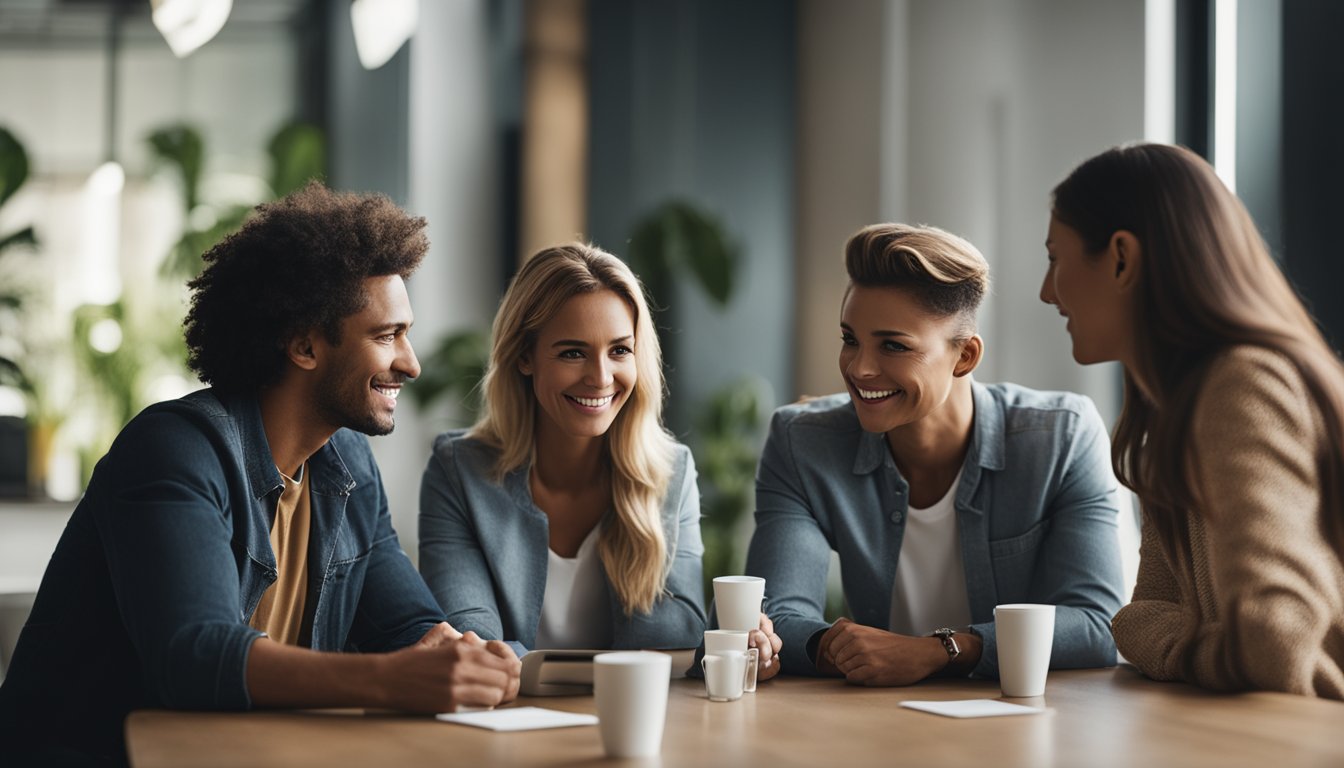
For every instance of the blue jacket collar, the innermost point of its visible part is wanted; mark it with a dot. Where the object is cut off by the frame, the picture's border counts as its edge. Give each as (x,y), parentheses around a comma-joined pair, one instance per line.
(330,475)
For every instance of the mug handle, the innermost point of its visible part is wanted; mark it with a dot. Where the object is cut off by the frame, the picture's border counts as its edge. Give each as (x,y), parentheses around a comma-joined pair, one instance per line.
(753,660)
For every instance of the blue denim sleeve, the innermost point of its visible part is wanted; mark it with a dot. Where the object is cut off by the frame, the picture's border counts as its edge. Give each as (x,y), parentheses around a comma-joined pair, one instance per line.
(1078,567)
(677,620)
(395,607)
(451,560)
(166,534)
(789,550)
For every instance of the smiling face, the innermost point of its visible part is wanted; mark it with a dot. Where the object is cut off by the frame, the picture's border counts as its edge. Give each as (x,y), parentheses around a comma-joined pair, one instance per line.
(1085,289)
(583,364)
(899,360)
(360,378)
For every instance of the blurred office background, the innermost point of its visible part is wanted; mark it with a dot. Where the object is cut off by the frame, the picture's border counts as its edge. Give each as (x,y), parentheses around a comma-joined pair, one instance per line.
(729,146)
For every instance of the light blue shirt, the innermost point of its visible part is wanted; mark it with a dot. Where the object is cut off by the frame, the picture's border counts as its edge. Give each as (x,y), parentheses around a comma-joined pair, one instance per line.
(484,545)
(1036,516)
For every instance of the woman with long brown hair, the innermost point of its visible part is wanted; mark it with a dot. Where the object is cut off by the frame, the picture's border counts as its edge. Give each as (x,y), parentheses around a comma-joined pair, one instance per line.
(1232,432)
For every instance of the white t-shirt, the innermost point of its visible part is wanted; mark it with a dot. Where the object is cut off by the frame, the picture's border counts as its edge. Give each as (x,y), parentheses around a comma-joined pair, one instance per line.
(574,612)
(930,588)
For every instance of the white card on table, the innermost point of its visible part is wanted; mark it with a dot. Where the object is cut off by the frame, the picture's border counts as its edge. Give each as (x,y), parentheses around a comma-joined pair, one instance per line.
(972,708)
(519,719)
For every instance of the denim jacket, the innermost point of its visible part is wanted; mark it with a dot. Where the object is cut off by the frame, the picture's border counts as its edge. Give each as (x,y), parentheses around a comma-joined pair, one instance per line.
(1036,515)
(483,551)
(146,601)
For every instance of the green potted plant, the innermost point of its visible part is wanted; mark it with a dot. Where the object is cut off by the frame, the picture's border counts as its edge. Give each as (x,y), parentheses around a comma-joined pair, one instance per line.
(41,420)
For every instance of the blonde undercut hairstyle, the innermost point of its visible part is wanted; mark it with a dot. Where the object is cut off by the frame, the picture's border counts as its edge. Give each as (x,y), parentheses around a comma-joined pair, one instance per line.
(944,273)
(631,544)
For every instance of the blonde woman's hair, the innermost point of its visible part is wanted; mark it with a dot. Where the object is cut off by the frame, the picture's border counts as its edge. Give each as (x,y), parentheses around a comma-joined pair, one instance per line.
(943,272)
(631,543)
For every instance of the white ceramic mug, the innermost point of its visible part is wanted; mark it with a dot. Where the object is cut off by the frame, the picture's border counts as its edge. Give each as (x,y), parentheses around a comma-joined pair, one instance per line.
(1025,635)
(631,692)
(735,641)
(725,674)
(737,601)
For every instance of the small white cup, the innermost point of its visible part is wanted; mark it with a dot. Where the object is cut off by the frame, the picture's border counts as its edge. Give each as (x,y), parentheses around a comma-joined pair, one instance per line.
(725,674)
(1025,634)
(735,641)
(737,601)
(631,691)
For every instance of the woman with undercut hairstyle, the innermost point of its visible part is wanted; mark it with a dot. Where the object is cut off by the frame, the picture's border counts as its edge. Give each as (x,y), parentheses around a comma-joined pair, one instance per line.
(942,496)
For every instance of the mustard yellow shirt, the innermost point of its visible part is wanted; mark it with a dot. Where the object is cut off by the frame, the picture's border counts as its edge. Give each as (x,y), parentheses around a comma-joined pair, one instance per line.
(280,612)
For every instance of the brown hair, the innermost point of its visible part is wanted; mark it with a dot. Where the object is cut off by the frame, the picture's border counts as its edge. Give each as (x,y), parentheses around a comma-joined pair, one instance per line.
(943,272)
(631,543)
(297,263)
(1207,284)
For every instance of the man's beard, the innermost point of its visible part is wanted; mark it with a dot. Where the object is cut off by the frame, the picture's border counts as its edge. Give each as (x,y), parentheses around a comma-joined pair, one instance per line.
(337,405)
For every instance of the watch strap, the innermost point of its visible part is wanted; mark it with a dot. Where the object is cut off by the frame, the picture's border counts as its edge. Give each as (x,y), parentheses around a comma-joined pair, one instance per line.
(949,642)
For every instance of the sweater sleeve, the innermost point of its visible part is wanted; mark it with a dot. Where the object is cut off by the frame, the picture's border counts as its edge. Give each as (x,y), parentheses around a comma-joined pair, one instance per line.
(1152,622)
(1270,569)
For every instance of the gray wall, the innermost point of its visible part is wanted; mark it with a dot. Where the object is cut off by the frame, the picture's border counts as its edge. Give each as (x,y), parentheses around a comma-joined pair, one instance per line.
(983,106)
(695,100)
(422,130)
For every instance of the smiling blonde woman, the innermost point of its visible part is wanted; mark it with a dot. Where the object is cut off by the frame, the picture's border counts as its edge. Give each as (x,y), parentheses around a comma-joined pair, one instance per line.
(568,517)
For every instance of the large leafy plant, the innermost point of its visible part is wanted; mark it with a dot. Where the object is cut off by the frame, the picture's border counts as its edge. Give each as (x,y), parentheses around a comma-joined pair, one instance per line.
(13,174)
(297,152)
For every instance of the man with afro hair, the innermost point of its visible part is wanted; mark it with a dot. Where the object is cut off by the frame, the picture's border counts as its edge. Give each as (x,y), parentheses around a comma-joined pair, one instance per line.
(234,548)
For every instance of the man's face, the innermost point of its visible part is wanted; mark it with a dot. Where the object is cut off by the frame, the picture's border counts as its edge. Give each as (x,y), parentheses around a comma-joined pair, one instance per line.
(360,378)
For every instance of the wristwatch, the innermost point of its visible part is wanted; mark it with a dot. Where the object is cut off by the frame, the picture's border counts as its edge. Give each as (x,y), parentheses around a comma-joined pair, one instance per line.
(949,642)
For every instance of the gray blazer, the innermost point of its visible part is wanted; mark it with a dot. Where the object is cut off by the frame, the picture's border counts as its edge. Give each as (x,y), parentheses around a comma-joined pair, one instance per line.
(1036,514)
(483,551)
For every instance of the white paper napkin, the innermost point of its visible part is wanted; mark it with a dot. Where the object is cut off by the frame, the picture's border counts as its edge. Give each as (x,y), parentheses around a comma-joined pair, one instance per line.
(519,719)
(971,708)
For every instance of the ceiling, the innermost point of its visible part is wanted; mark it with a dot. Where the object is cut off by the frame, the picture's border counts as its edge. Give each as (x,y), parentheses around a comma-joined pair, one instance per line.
(86,23)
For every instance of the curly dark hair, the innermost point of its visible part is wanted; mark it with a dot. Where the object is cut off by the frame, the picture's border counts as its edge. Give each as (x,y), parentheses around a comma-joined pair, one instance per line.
(297,263)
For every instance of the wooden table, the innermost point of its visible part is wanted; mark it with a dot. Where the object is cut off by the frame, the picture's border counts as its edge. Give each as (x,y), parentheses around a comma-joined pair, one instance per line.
(1098,717)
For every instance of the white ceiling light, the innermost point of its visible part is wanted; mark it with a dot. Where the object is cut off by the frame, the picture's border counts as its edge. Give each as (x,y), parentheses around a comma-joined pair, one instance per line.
(381,28)
(189,24)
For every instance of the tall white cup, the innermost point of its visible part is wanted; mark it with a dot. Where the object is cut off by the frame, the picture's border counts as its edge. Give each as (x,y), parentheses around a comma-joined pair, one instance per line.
(737,601)
(735,641)
(631,691)
(1025,634)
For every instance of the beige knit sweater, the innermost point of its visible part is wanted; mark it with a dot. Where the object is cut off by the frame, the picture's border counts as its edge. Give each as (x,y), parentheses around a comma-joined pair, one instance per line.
(1257,599)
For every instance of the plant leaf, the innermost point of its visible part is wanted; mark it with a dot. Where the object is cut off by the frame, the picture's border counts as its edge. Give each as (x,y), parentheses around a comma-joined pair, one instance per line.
(184,261)
(678,236)
(24,236)
(13,164)
(298,154)
(11,374)
(454,369)
(182,147)
(709,255)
